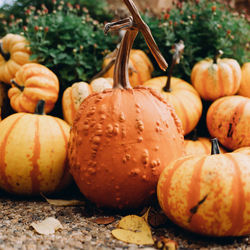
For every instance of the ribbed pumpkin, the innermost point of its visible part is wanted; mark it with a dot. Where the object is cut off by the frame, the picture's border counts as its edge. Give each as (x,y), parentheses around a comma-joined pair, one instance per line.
(215,78)
(33,82)
(14,52)
(182,95)
(244,89)
(140,67)
(33,153)
(208,194)
(244,150)
(228,120)
(74,95)
(122,138)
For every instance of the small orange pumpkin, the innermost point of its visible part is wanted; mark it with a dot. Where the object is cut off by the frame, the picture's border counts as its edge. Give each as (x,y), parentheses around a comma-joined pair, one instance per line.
(33,153)
(208,194)
(216,78)
(75,94)
(228,119)
(244,89)
(244,150)
(33,82)
(14,52)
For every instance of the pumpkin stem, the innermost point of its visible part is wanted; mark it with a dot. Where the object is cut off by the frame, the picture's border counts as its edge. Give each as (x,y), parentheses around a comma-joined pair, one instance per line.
(178,50)
(40,107)
(217,55)
(6,56)
(17,85)
(133,25)
(215,146)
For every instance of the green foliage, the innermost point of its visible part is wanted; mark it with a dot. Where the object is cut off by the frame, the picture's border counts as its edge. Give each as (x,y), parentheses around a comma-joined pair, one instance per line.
(67,40)
(205,27)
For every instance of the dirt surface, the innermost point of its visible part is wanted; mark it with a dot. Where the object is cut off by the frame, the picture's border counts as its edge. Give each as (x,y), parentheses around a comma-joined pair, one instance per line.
(82,231)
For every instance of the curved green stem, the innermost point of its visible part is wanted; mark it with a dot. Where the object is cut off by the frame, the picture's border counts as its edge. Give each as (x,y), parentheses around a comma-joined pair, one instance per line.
(6,56)
(17,85)
(40,107)
(215,146)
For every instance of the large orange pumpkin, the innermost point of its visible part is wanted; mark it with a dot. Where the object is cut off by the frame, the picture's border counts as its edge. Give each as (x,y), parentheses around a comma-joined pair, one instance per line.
(33,153)
(14,52)
(75,94)
(184,98)
(216,78)
(208,194)
(244,89)
(228,120)
(33,82)
(122,138)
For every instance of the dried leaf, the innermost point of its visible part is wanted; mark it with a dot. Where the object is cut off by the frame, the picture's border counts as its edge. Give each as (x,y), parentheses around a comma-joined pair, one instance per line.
(133,229)
(47,226)
(104,220)
(63,203)
(145,216)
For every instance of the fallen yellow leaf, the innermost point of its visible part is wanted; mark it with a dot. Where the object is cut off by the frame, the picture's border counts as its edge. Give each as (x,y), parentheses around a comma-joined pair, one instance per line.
(133,229)
(63,203)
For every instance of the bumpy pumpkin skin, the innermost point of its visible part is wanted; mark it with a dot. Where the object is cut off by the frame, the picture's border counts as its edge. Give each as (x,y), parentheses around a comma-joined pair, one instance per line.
(208,195)
(244,89)
(215,80)
(19,53)
(183,97)
(33,154)
(228,120)
(120,142)
(39,83)
(140,67)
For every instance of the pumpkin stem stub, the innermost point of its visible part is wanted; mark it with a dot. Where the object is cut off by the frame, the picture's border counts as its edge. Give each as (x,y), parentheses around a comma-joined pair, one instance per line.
(17,85)
(215,146)
(6,56)
(217,55)
(40,107)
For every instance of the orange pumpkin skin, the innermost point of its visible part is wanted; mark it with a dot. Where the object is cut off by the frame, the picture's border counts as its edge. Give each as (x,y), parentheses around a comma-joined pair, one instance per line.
(39,83)
(244,89)
(75,94)
(17,54)
(215,80)
(140,69)
(228,120)
(120,142)
(208,195)
(183,97)
(244,150)
(33,154)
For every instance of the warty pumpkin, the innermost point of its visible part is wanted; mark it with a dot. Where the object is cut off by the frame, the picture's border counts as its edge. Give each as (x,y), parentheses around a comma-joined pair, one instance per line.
(179,93)
(33,82)
(228,119)
(244,89)
(75,94)
(33,153)
(208,194)
(123,137)
(215,78)
(14,52)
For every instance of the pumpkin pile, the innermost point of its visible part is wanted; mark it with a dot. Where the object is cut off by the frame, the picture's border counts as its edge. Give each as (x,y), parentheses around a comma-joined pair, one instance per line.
(126,137)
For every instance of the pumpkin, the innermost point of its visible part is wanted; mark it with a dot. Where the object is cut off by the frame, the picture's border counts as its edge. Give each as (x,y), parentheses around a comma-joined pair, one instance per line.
(33,82)
(3,95)
(14,52)
(244,150)
(215,78)
(33,153)
(244,89)
(123,137)
(75,94)
(184,98)
(140,67)
(208,194)
(228,119)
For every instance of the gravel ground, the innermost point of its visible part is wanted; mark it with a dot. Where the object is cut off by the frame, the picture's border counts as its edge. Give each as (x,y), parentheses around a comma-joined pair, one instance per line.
(81,231)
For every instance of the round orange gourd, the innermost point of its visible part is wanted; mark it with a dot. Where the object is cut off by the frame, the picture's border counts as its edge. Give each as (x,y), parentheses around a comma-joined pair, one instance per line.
(228,120)
(216,78)
(122,138)
(75,94)
(14,52)
(208,194)
(140,67)
(244,150)
(33,82)
(184,98)
(33,153)
(244,89)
